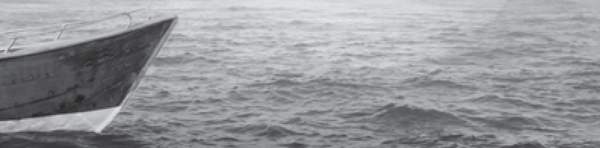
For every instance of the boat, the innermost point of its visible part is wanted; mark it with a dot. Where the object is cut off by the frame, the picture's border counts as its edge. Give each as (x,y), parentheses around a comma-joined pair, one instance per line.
(79,83)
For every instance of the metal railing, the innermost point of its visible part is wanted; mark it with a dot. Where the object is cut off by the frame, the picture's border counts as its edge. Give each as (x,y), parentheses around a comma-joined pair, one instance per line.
(62,28)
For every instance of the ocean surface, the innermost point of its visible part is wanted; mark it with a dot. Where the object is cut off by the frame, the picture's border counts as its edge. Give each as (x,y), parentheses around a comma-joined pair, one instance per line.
(349,74)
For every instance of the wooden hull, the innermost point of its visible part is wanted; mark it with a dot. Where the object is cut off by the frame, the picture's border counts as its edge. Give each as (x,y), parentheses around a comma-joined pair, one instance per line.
(81,75)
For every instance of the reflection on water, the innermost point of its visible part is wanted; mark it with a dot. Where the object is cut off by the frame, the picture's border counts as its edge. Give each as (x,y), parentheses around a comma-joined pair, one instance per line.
(402,73)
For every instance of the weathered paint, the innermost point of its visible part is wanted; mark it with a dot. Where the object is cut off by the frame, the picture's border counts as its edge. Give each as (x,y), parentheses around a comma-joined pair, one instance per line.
(78,76)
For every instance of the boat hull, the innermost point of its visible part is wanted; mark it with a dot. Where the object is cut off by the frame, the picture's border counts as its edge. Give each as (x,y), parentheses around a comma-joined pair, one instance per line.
(78,76)
(93,121)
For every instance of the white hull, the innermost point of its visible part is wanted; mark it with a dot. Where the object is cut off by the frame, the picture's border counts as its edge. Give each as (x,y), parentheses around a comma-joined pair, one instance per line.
(92,121)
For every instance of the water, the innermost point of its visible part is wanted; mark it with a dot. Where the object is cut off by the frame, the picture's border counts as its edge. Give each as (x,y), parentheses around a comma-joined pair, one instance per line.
(333,73)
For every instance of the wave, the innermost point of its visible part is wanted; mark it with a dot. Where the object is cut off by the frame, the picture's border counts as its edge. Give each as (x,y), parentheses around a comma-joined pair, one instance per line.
(242,8)
(586,73)
(508,122)
(410,116)
(315,112)
(576,61)
(65,139)
(311,44)
(495,100)
(428,81)
(264,130)
(294,145)
(181,37)
(452,61)
(494,54)
(162,108)
(592,102)
(246,8)
(277,83)
(591,87)
(180,60)
(229,27)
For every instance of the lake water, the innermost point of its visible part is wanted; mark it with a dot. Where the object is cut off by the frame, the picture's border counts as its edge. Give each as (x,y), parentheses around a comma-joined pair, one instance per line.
(350,73)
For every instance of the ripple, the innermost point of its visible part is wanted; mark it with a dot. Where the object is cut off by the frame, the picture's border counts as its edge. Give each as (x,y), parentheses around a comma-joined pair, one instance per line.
(227,139)
(590,73)
(495,100)
(276,83)
(493,54)
(314,112)
(294,145)
(229,27)
(410,116)
(518,79)
(162,109)
(68,139)
(426,82)
(595,88)
(592,102)
(179,60)
(508,122)
(264,130)
(525,145)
